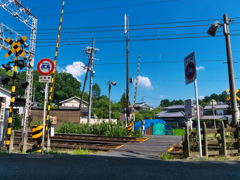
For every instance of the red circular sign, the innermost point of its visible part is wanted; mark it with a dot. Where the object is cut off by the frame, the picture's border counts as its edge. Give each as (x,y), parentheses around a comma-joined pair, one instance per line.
(190,70)
(45,66)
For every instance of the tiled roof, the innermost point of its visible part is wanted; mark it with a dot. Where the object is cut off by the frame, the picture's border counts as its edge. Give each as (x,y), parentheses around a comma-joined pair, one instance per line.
(171,114)
(74,97)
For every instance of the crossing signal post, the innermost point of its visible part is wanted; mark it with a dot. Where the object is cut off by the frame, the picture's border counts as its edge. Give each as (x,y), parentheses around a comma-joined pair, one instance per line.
(16,48)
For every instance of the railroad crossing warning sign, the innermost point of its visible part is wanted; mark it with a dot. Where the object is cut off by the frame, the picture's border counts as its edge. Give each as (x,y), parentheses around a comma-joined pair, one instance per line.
(16,46)
(190,68)
(230,95)
(45,66)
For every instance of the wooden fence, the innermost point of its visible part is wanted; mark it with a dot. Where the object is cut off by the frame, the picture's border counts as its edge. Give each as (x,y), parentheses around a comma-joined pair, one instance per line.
(214,147)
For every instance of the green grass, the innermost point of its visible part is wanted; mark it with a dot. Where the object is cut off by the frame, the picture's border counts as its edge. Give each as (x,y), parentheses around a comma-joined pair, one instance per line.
(166,156)
(222,159)
(2,153)
(81,151)
(179,132)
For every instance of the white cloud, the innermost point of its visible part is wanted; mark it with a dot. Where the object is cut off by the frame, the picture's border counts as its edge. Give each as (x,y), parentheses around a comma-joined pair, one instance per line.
(76,69)
(200,67)
(144,82)
(201,97)
(161,96)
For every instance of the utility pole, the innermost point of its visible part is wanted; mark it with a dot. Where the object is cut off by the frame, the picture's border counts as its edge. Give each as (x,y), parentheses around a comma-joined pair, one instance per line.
(226,33)
(85,81)
(127,93)
(109,83)
(91,64)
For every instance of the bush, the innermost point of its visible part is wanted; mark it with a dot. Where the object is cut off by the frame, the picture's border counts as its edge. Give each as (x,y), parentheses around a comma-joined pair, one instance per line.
(38,122)
(17,123)
(103,129)
(137,134)
(166,156)
(178,132)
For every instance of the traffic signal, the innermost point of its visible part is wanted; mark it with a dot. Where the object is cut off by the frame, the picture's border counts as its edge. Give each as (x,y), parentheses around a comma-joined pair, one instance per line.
(25,85)
(21,64)
(131,80)
(7,66)
(4,80)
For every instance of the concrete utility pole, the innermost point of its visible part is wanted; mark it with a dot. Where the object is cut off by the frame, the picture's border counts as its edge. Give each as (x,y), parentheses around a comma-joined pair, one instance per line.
(85,81)
(226,32)
(127,91)
(113,83)
(109,84)
(91,64)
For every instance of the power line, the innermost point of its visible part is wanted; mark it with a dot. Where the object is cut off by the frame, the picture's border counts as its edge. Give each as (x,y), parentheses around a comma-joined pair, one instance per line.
(105,8)
(137,40)
(69,4)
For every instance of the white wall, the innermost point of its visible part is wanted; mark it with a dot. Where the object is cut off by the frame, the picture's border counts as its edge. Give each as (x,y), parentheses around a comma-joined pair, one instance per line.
(8,97)
(96,121)
(73,103)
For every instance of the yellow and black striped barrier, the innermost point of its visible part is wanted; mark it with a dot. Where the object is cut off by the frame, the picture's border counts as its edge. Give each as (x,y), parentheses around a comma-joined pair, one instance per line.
(37,134)
(130,128)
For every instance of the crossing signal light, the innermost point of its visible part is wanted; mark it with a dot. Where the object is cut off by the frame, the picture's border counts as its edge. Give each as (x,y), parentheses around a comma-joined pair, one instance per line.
(25,85)
(21,64)
(5,80)
(7,66)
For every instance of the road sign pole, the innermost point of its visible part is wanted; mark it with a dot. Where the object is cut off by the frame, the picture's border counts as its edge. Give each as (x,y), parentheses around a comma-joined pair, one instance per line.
(214,118)
(198,119)
(44,115)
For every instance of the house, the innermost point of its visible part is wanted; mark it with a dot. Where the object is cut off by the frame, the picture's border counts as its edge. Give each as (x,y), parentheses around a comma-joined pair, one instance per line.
(221,112)
(175,115)
(7,94)
(73,102)
(141,106)
(138,107)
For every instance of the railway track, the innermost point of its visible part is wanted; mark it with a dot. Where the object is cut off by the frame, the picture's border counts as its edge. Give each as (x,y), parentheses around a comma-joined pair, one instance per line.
(74,141)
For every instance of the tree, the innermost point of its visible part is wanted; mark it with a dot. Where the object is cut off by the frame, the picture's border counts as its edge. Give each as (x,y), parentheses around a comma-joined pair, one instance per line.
(223,97)
(123,101)
(215,96)
(207,99)
(165,103)
(96,91)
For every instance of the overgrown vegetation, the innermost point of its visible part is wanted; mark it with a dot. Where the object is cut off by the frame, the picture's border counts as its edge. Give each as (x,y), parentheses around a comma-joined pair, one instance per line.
(178,132)
(81,151)
(104,129)
(38,122)
(137,134)
(166,156)
(2,153)
(17,123)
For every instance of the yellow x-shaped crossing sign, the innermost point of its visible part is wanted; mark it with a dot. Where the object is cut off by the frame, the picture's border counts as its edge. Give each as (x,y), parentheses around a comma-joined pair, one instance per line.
(16,46)
(236,95)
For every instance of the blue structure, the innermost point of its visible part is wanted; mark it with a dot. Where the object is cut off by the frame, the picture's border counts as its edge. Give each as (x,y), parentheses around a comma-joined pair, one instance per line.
(148,123)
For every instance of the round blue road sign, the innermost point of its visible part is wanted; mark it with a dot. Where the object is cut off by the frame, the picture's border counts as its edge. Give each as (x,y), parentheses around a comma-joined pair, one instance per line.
(190,70)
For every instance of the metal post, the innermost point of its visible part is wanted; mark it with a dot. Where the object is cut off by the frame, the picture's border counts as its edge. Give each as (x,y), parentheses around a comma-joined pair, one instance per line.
(109,101)
(198,119)
(214,118)
(24,125)
(90,89)
(127,105)
(226,32)
(190,123)
(44,115)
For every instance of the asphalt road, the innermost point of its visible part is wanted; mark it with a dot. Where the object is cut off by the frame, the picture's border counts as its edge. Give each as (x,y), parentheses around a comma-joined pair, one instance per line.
(13,166)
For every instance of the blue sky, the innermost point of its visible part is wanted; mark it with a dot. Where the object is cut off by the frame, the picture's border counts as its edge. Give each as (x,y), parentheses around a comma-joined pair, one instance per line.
(162,68)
